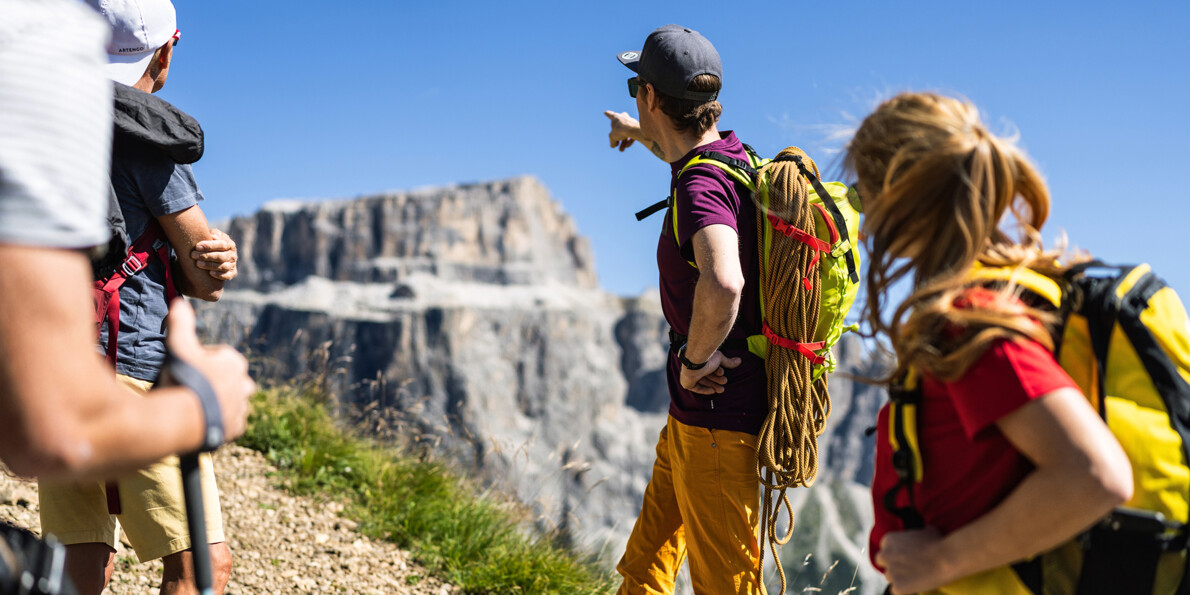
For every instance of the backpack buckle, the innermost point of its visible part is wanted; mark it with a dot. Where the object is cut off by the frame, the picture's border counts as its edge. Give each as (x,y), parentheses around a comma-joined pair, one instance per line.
(132,266)
(841,248)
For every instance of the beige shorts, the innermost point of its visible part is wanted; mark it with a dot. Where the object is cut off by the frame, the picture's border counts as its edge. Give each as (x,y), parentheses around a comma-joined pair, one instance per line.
(153,508)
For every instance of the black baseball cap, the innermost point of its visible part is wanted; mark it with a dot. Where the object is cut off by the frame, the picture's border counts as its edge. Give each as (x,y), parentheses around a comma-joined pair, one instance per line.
(673,55)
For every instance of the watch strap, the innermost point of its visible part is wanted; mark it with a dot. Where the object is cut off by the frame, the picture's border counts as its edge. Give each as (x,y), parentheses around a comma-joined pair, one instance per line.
(687,363)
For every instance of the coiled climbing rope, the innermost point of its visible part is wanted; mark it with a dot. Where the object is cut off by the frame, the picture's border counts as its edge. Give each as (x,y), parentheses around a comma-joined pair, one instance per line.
(787,449)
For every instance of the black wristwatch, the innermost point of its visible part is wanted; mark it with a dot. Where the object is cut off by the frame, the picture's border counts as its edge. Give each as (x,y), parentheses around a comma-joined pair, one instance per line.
(687,363)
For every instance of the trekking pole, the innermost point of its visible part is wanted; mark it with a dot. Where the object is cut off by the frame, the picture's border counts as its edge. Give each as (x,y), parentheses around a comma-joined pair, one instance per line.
(197,522)
(185,375)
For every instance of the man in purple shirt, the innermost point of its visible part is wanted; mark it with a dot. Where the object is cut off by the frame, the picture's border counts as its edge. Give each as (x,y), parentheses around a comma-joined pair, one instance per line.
(703,497)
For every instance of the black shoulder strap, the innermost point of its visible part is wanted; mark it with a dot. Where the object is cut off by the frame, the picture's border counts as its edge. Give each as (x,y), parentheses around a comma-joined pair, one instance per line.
(105,259)
(739,164)
(731,162)
(903,402)
(829,203)
(644,213)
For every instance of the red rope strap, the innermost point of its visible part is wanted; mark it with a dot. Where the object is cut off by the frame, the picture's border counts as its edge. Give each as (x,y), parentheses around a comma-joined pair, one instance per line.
(830,223)
(806,349)
(791,231)
(808,239)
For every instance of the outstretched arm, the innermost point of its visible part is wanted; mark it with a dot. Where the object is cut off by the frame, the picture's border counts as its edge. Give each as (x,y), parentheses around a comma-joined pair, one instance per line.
(1080,467)
(65,415)
(626,130)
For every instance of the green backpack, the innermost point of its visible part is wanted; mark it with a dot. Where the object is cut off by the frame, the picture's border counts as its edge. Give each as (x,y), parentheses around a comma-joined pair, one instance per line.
(837,227)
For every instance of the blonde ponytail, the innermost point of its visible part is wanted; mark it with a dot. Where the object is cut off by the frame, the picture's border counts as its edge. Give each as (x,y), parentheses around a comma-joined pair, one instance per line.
(936,186)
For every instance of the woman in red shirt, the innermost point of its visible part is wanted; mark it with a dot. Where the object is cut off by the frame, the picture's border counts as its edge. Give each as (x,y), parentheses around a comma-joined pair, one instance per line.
(1015,460)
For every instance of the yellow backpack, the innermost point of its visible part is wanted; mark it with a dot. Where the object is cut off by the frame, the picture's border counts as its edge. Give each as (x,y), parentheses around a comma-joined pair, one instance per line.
(1125,340)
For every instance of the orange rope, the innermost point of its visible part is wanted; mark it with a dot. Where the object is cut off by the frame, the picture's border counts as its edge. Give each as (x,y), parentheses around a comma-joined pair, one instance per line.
(787,449)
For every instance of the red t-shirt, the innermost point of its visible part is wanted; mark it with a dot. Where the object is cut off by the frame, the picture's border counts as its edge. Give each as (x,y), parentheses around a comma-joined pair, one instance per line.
(709,196)
(968,465)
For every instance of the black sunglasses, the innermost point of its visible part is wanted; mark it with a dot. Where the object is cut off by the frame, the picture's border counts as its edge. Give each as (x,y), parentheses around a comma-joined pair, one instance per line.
(634,84)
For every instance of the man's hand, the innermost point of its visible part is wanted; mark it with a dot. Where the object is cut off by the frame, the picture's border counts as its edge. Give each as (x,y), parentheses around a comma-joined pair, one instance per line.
(912,561)
(224,368)
(217,256)
(625,129)
(709,379)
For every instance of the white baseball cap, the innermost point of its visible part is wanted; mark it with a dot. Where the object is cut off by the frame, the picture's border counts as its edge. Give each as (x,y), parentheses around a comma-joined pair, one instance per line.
(139,28)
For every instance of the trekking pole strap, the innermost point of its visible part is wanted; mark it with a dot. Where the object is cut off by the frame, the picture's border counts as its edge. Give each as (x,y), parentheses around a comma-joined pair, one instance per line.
(187,376)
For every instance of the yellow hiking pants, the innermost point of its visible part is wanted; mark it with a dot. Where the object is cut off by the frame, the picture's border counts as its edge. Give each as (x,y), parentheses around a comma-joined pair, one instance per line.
(154,507)
(703,501)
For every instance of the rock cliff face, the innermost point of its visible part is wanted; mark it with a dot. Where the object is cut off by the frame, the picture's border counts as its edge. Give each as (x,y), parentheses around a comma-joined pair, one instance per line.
(473,313)
(500,233)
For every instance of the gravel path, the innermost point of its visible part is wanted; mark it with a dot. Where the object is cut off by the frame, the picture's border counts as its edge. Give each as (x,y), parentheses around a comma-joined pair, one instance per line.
(280,543)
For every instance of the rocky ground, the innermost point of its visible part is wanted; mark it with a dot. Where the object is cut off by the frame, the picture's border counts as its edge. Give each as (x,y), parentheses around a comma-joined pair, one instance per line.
(281,543)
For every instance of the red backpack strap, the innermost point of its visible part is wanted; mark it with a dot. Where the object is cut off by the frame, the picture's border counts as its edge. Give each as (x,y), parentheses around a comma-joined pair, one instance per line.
(107,291)
(107,306)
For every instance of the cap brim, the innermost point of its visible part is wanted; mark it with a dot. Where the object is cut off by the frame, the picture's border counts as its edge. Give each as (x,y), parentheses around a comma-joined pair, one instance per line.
(127,69)
(630,59)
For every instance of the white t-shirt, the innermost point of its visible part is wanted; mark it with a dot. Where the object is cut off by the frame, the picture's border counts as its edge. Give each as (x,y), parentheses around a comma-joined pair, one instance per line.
(55,124)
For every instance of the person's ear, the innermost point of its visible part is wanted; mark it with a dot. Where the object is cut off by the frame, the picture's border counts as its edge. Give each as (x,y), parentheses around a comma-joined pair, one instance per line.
(165,55)
(651,101)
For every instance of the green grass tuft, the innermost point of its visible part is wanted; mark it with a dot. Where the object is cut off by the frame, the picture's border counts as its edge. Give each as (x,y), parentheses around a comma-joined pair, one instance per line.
(474,540)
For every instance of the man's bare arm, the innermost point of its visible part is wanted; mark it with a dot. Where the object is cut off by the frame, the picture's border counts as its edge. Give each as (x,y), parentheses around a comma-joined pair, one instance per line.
(716,304)
(65,414)
(1079,468)
(185,230)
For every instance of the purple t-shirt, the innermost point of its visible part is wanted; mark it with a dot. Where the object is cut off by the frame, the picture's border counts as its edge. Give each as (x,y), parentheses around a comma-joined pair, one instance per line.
(706,195)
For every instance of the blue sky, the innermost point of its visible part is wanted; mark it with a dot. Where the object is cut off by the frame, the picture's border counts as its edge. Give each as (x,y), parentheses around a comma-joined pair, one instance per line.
(335,100)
